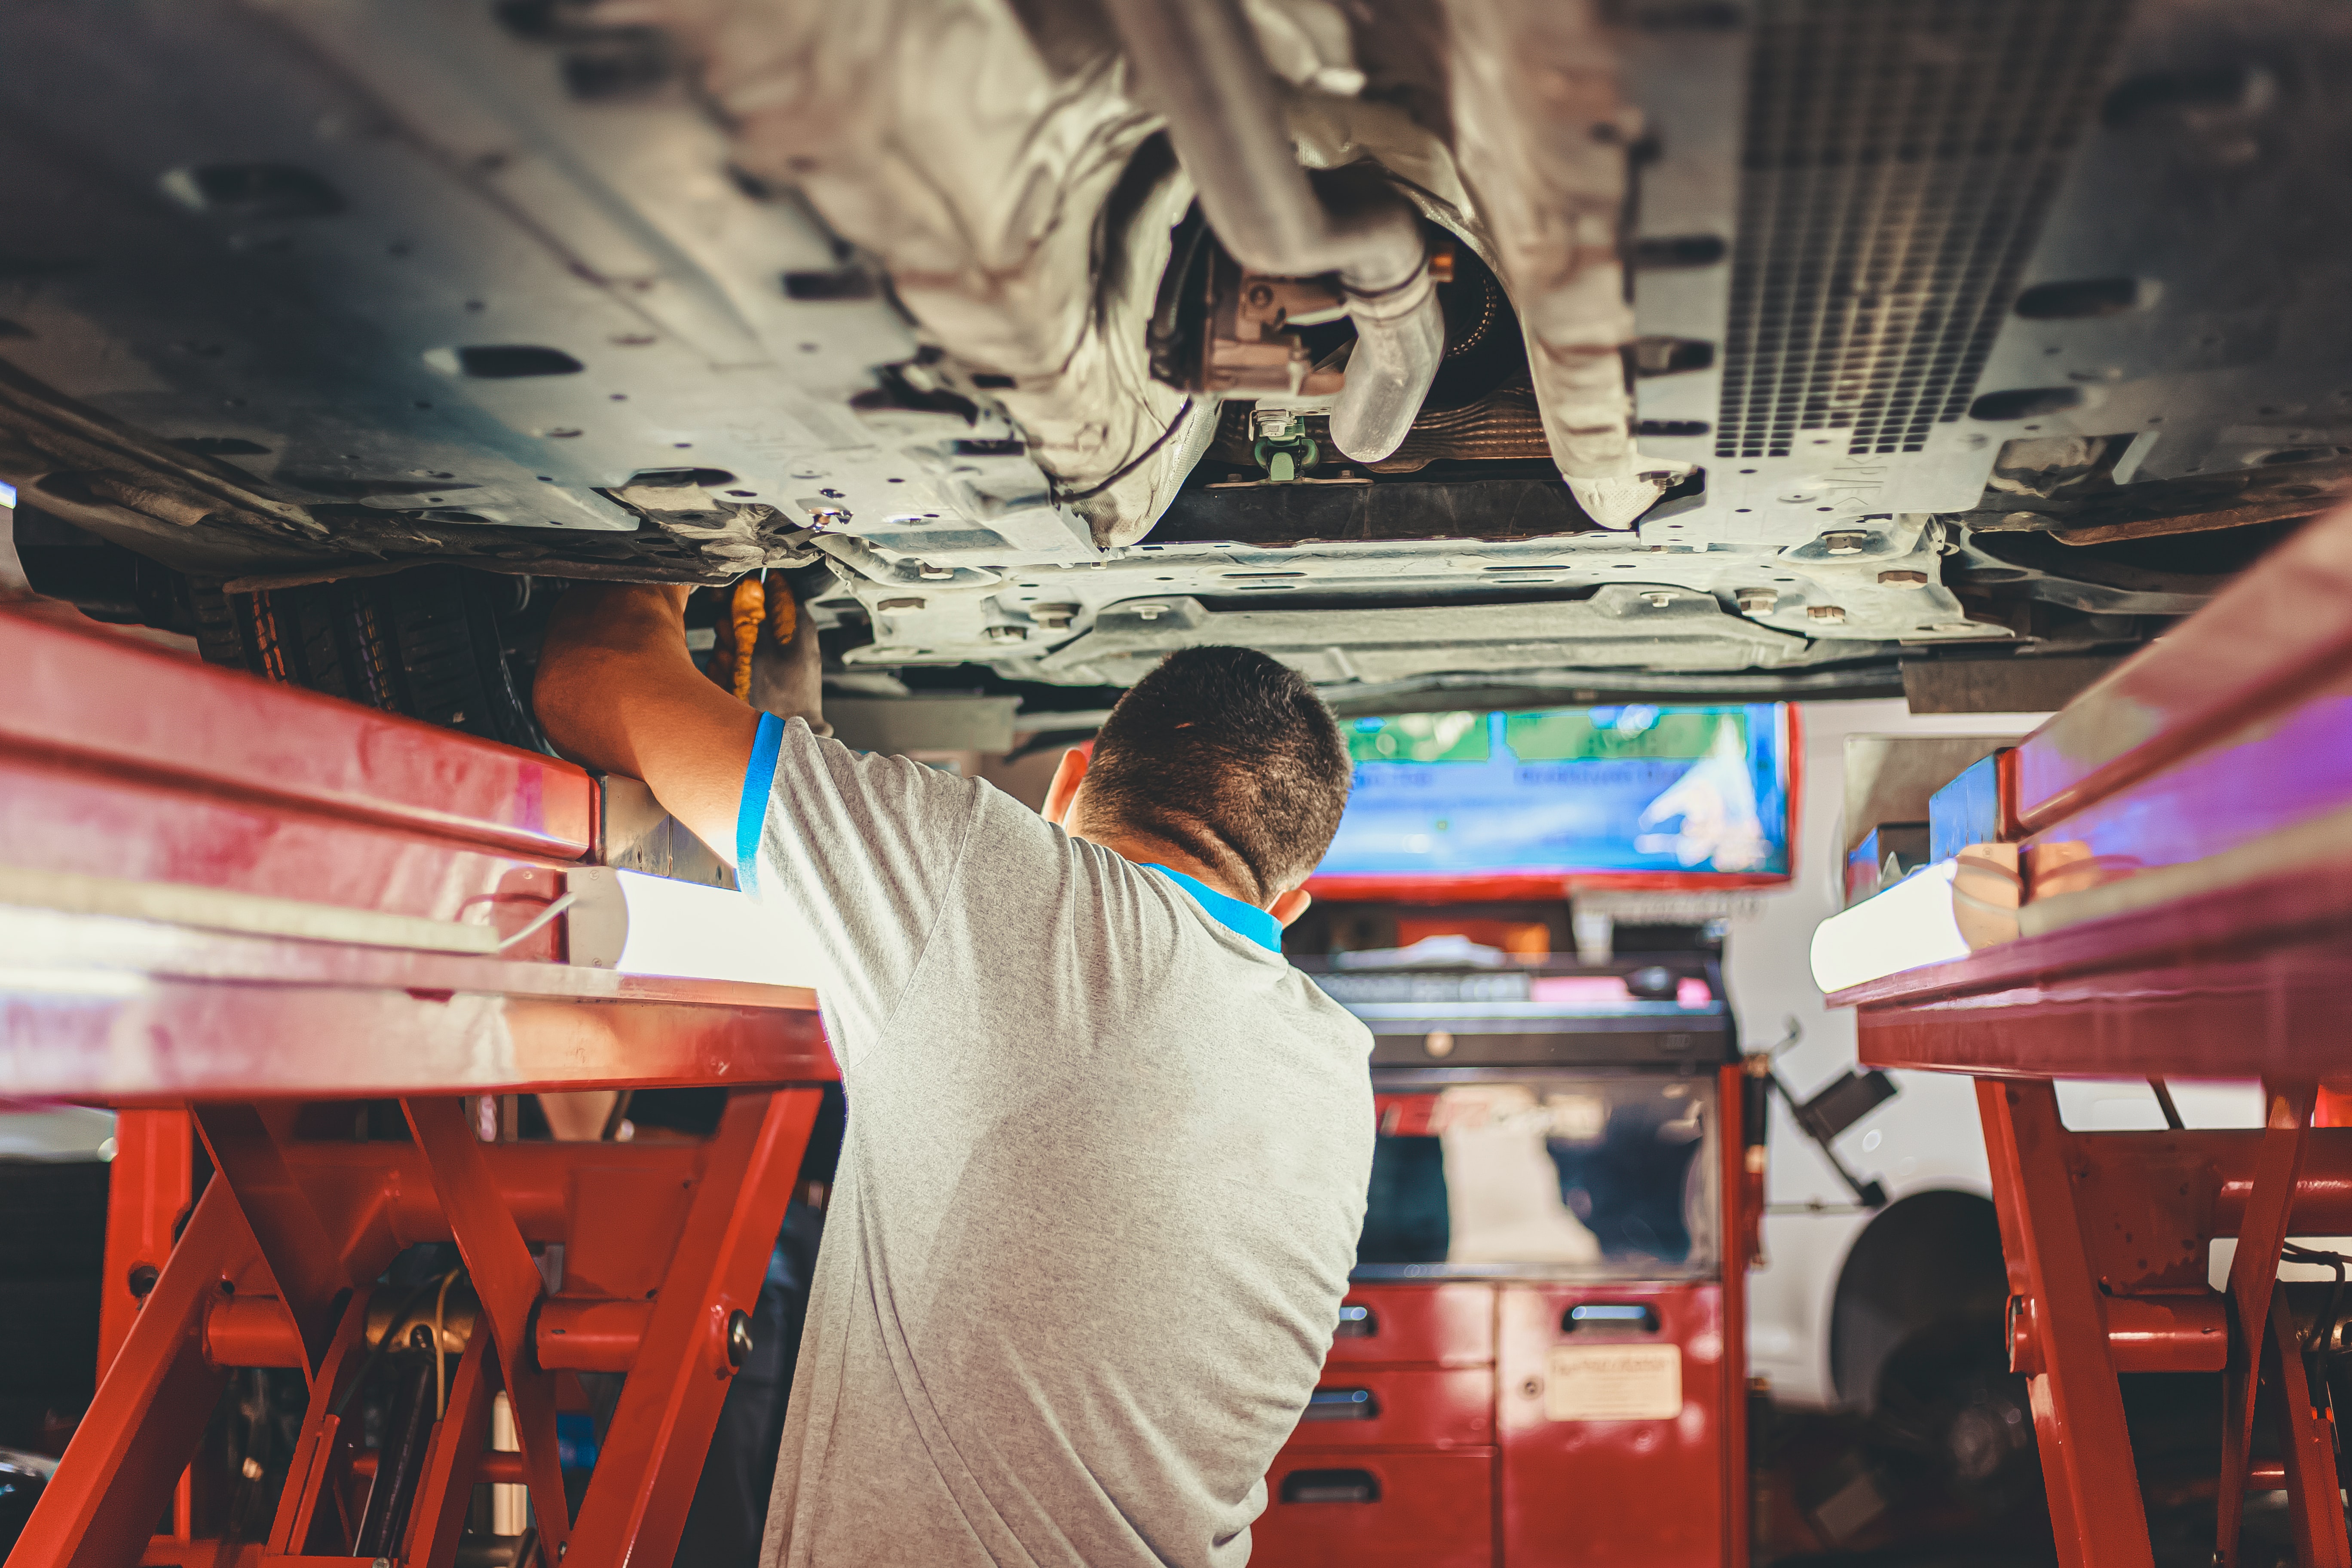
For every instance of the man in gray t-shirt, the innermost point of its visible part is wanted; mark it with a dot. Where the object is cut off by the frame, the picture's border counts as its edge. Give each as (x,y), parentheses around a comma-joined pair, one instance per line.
(1108,1151)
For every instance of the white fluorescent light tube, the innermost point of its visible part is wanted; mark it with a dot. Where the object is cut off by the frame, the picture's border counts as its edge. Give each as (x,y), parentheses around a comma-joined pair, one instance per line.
(636,924)
(1909,925)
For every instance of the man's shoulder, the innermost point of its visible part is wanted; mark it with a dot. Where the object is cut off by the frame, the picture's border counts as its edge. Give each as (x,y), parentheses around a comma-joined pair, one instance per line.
(1330,1015)
(898,792)
(1319,1037)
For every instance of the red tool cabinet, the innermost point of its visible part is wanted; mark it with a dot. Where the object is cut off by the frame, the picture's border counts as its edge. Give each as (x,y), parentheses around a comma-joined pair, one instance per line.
(1406,1476)
(1498,1400)
(1605,1493)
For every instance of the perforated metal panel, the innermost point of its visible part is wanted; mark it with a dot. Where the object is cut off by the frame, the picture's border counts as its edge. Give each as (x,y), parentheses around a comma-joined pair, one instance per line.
(1899,156)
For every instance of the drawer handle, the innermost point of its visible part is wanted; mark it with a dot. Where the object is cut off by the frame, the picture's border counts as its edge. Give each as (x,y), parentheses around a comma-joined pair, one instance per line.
(1341,1405)
(1330,1486)
(1638,1315)
(1356,1322)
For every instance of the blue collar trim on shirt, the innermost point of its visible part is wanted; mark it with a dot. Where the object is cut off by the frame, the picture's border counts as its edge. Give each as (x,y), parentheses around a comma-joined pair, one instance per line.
(751,812)
(1243,920)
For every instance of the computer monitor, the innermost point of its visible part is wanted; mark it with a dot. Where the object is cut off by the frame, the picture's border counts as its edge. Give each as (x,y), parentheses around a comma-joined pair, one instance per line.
(1470,805)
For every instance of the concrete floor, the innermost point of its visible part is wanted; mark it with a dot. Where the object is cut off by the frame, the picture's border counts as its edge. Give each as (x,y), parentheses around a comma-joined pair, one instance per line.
(1838,1490)
(1833,1491)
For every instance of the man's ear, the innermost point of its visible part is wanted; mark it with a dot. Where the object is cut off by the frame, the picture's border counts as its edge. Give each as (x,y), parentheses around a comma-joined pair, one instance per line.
(1064,787)
(1287,907)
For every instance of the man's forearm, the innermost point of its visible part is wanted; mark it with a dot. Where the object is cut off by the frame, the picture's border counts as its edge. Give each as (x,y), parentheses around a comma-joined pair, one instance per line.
(605,642)
(617,691)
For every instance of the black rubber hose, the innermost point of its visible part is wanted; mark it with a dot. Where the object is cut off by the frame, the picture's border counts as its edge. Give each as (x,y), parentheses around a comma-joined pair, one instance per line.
(408,1426)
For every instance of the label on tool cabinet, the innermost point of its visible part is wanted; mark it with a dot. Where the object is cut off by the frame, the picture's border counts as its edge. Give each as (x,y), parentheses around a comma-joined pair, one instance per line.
(1613,1382)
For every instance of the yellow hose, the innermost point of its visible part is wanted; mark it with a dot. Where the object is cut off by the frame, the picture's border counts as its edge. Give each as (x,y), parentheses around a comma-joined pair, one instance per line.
(749,609)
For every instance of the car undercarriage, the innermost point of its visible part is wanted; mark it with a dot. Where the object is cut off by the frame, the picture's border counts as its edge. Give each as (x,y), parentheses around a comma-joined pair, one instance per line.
(1456,352)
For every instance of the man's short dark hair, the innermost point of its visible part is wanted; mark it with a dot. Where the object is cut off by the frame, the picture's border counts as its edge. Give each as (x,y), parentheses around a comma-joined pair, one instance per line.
(1229,756)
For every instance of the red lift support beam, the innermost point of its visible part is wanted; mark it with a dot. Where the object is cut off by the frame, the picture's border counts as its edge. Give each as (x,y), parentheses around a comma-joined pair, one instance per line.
(2185,843)
(237,912)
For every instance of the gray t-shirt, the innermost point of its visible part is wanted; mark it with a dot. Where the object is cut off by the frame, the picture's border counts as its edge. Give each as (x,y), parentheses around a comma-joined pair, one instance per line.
(1104,1175)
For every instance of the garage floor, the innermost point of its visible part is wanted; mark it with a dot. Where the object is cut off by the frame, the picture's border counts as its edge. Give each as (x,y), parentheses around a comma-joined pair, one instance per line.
(1831,1491)
(1832,1488)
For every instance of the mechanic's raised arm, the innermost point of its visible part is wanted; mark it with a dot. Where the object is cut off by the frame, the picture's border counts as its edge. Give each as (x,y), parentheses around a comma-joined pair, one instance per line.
(617,691)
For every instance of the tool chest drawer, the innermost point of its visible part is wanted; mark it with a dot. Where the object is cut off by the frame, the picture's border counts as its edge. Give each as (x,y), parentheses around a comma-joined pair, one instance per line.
(1610,1397)
(1438,1325)
(1379,1407)
(1353,1508)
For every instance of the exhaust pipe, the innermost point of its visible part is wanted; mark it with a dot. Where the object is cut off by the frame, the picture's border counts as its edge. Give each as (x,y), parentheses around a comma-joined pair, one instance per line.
(1198,63)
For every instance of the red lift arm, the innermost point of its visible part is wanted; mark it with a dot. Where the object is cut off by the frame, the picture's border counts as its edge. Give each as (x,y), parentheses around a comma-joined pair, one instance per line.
(238,912)
(2185,834)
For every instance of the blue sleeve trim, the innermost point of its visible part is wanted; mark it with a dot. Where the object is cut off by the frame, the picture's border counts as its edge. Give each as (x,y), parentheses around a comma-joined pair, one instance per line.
(751,816)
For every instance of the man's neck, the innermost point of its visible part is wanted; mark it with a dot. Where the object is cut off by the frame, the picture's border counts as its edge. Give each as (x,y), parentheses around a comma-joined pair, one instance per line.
(1146,850)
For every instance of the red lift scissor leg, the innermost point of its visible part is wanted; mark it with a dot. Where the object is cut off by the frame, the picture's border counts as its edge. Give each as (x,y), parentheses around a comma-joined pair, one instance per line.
(149,1188)
(438,1518)
(651,1480)
(309,1269)
(2075,1331)
(2253,1274)
(2307,1445)
(508,1284)
(705,1218)
(2184,836)
(312,1512)
(100,1508)
(2078,1408)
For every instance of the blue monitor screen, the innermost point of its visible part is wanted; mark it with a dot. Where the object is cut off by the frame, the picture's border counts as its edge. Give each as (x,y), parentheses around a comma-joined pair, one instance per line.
(1690,791)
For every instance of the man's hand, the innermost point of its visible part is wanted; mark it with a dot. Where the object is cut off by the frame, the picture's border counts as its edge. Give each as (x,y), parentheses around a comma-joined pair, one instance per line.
(617,691)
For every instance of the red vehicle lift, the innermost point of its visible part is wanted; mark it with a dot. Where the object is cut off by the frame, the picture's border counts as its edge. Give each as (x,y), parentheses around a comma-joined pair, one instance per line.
(2181,841)
(238,913)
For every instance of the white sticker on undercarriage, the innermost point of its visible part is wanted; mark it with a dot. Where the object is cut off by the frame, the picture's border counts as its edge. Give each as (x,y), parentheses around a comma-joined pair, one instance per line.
(1614,1383)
